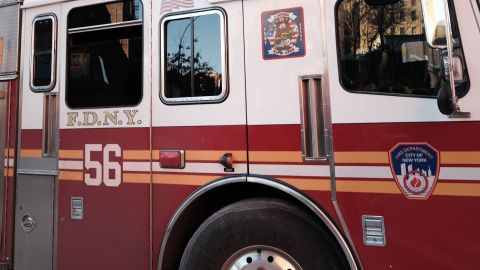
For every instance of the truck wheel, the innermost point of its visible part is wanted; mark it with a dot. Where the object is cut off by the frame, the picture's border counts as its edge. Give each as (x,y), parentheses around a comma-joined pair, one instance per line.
(262,234)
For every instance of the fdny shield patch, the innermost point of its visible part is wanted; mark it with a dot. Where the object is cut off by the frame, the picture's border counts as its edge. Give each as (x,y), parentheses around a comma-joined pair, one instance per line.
(415,167)
(283,33)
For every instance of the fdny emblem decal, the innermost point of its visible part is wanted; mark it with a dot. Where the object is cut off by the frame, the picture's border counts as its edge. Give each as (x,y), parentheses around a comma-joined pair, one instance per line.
(415,167)
(283,33)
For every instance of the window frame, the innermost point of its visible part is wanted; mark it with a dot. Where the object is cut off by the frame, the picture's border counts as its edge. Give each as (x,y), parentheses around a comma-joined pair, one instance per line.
(100,27)
(223,51)
(476,12)
(53,74)
(454,23)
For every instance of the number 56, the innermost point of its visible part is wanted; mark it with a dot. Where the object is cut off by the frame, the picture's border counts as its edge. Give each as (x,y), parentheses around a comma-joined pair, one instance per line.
(102,172)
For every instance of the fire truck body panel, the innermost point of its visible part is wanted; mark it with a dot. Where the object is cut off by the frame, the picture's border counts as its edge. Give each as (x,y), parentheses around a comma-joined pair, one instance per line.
(125,139)
(125,182)
(363,173)
(431,223)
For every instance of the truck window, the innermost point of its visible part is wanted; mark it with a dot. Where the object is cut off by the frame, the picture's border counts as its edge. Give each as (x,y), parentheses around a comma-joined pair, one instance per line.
(42,77)
(105,55)
(193,57)
(382,50)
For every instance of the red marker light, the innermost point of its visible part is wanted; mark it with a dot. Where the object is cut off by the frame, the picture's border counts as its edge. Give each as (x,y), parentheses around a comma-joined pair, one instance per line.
(172,159)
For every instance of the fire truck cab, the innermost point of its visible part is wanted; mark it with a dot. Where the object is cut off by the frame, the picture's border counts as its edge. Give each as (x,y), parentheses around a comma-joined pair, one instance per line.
(239,134)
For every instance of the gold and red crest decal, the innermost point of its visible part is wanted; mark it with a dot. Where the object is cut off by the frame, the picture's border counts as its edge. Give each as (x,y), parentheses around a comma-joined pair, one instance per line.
(415,168)
(283,33)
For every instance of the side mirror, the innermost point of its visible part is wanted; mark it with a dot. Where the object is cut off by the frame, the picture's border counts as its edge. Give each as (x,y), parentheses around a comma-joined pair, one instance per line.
(444,98)
(438,32)
(435,19)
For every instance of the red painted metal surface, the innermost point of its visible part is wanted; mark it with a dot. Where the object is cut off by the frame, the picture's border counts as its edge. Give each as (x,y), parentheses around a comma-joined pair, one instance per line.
(200,138)
(31,139)
(444,136)
(274,138)
(166,199)
(127,138)
(116,230)
(438,233)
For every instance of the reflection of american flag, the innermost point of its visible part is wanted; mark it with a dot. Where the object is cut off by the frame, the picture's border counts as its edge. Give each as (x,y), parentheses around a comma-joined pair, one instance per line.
(169,5)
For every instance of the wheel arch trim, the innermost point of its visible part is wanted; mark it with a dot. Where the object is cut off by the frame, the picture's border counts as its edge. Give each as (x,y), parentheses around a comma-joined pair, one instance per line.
(272,183)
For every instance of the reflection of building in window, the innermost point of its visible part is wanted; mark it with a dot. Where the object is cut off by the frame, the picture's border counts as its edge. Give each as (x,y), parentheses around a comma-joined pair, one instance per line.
(381,51)
(366,26)
(413,15)
(117,12)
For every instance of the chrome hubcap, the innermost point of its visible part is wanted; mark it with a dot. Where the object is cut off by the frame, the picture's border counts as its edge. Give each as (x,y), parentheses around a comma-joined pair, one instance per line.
(261,258)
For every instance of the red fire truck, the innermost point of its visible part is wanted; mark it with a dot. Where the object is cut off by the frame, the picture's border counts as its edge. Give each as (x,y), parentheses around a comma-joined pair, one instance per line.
(239,134)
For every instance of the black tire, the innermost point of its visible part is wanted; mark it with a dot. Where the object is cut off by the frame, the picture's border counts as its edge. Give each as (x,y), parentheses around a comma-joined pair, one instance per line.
(262,222)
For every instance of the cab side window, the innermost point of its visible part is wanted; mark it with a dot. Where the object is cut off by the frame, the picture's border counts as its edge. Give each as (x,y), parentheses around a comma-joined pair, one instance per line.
(382,50)
(193,57)
(43,65)
(105,55)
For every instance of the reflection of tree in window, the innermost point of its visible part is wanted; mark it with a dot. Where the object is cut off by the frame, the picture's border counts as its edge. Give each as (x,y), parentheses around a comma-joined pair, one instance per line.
(380,58)
(389,55)
(193,65)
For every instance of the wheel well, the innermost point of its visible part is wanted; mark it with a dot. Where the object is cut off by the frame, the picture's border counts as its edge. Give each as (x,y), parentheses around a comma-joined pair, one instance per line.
(198,210)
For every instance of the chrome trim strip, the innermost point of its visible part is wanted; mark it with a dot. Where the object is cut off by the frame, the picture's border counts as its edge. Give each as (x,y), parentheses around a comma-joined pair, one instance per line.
(330,225)
(37,172)
(378,237)
(53,74)
(304,123)
(312,107)
(8,77)
(50,125)
(328,130)
(224,53)
(186,203)
(104,26)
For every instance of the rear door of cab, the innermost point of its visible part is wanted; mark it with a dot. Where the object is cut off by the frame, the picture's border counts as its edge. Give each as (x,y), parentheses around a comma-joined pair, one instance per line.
(201,127)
